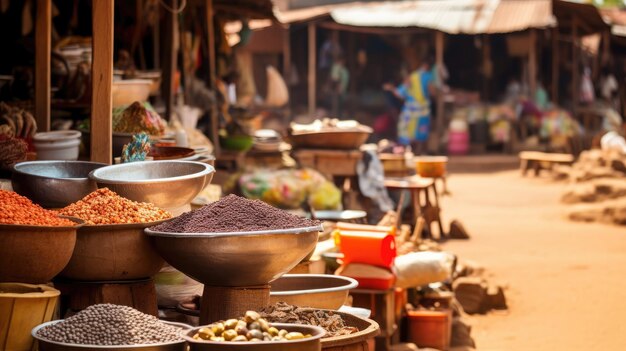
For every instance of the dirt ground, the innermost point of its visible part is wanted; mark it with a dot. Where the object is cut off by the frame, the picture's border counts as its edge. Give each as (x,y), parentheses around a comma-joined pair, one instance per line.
(565,281)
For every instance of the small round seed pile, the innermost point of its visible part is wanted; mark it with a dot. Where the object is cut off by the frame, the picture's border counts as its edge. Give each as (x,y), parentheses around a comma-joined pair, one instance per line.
(108,324)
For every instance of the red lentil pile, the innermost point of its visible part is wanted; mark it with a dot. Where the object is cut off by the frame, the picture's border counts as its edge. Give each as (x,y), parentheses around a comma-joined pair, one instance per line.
(16,209)
(104,206)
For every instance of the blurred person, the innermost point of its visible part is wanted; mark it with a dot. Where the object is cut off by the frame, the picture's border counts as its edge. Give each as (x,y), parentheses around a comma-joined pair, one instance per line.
(340,78)
(414,122)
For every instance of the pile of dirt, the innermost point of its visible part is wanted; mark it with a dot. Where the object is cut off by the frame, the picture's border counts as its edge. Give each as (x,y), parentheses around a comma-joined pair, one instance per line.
(598,187)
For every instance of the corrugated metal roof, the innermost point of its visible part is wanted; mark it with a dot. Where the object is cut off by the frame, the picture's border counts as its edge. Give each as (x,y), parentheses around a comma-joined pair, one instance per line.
(451,16)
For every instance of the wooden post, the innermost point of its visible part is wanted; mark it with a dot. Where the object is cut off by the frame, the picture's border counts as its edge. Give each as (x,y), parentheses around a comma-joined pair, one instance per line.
(287,53)
(102,77)
(575,70)
(312,68)
(43,42)
(606,47)
(532,64)
(555,65)
(213,74)
(439,49)
(170,58)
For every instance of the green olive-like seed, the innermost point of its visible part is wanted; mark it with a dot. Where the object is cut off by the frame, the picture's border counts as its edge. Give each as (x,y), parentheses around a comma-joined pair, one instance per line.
(273,331)
(231,323)
(282,333)
(254,334)
(218,329)
(251,316)
(239,338)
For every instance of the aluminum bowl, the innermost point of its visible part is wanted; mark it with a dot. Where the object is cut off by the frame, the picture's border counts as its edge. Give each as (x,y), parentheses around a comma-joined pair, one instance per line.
(48,345)
(236,259)
(54,184)
(308,344)
(166,184)
(323,291)
(35,254)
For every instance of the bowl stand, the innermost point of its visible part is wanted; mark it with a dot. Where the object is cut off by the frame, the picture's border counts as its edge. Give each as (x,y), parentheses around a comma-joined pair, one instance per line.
(221,303)
(78,295)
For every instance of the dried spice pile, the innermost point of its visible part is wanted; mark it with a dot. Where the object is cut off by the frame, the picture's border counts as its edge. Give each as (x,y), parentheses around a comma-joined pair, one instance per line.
(108,324)
(16,209)
(234,214)
(104,206)
(282,312)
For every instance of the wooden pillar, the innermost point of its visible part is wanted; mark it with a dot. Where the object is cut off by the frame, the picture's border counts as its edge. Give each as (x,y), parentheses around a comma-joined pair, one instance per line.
(439,50)
(102,77)
(287,52)
(312,68)
(575,70)
(555,65)
(487,68)
(213,74)
(43,47)
(170,57)
(532,64)
(606,46)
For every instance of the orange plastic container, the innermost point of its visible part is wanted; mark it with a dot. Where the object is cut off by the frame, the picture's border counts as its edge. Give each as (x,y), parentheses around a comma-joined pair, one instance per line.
(391,230)
(431,166)
(430,328)
(374,248)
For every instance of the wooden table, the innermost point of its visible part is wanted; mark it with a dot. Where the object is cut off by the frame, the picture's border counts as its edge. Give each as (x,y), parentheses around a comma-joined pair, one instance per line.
(426,209)
(537,161)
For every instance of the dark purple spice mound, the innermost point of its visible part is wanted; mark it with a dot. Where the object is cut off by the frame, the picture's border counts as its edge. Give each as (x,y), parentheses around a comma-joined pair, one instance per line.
(234,214)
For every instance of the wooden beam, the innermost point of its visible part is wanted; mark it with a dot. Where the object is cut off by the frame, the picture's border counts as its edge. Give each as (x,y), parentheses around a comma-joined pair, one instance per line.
(575,70)
(555,65)
(102,77)
(532,64)
(210,20)
(287,57)
(312,31)
(43,48)
(439,52)
(170,57)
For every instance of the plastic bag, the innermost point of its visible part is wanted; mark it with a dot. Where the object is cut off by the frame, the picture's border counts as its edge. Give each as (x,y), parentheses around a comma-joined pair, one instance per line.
(421,268)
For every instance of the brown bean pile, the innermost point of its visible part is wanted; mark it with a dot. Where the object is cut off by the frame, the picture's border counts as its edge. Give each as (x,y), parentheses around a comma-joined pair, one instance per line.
(249,328)
(283,312)
(17,209)
(107,324)
(104,206)
(234,214)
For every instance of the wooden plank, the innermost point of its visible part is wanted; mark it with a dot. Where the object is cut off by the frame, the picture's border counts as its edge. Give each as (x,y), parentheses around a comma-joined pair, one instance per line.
(532,64)
(43,47)
(555,65)
(102,77)
(210,16)
(169,57)
(575,68)
(312,31)
(439,51)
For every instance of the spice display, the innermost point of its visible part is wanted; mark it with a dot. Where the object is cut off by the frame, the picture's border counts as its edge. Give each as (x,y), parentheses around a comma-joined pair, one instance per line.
(282,312)
(137,118)
(234,214)
(249,328)
(108,324)
(17,209)
(104,206)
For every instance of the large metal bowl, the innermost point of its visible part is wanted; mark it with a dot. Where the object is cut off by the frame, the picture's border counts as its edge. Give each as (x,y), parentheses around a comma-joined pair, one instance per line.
(236,259)
(113,252)
(54,184)
(167,184)
(336,140)
(35,254)
(307,344)
(323,291)
(48,345)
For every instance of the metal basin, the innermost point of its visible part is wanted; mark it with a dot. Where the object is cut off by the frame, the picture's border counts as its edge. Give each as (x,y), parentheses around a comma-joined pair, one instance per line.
(308,344)
(368,329)
(236,259)
(48,345)
(113,252)
(167,184)
(322,291)
(35,254)
(54,184)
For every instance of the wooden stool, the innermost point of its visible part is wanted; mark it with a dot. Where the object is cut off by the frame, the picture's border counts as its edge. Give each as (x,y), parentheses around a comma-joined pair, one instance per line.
(541,160)
(382,305)
(78,295)
(430,211)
